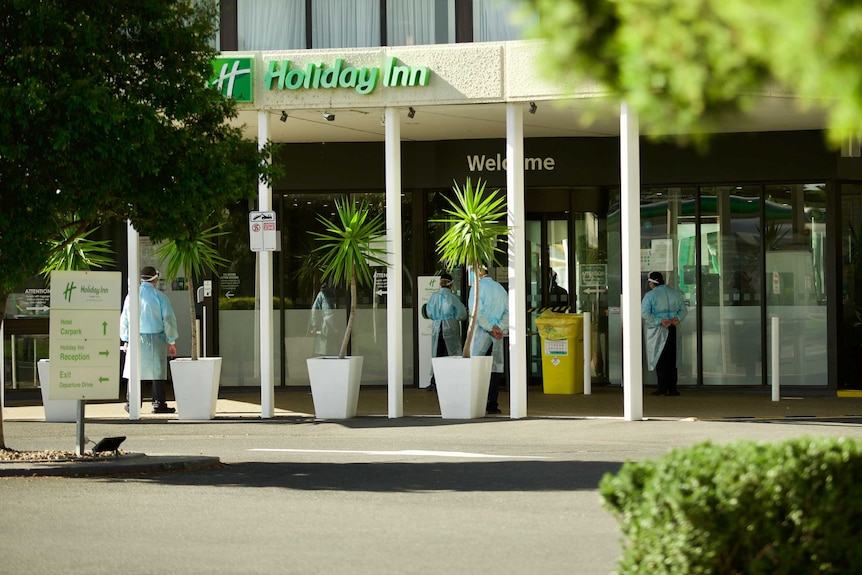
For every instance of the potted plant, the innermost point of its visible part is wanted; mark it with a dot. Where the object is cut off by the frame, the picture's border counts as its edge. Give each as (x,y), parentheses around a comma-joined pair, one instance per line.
(347,253)
(196,379)
(470,240)
(71,249)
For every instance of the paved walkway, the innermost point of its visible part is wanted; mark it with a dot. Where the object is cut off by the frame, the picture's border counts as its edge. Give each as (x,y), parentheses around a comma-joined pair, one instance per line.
(603,402)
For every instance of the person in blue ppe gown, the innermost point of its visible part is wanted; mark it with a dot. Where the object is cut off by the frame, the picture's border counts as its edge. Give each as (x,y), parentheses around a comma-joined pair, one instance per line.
(324,322)
(663,308)
(492,325)
(447,312)
(158,336)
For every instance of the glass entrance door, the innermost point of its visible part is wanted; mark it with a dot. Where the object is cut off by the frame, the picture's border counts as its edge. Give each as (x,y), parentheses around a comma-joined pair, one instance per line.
(548,278)
(567,272)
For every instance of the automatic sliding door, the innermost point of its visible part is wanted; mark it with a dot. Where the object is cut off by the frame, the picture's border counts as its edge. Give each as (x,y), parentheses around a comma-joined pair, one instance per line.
(731,272)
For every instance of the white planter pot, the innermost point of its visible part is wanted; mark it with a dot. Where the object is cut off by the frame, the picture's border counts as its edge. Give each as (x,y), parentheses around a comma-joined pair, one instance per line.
(196,386)
(462,385)
(335,385)
(61,410)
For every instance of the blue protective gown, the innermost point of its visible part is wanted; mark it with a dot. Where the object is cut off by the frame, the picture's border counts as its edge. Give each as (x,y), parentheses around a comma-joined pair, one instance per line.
(447,312)
(158,329)
(493,310)
(661,302)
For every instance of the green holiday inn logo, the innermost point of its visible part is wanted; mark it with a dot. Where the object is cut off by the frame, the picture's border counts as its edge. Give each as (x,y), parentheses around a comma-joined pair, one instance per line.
(314,76)
(70,289)
(233,78)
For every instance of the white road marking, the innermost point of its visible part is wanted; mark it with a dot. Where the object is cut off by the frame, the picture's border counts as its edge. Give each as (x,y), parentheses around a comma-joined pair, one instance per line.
(419,452)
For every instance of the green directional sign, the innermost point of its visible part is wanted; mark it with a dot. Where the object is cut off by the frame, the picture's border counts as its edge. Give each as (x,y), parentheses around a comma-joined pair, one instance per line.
(85,334)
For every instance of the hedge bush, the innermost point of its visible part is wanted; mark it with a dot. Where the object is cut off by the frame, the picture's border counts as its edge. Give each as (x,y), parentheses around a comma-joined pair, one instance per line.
(751,508)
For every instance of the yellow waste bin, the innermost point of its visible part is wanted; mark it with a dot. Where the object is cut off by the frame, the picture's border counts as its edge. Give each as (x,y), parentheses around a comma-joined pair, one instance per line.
(562,337)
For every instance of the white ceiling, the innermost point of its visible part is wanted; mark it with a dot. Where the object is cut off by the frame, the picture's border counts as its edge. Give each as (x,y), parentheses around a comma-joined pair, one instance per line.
(553,119)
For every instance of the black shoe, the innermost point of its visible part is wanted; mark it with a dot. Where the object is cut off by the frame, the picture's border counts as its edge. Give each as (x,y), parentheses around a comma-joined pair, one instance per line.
(163,409)
(126,407)
(657,392)
(492,411)
(674,392)
(432,387)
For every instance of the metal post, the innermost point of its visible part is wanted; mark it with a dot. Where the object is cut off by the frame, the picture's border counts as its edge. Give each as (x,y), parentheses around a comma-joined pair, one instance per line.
(588,353)
(80,438)
(264,280)
(776,395)
(14,364)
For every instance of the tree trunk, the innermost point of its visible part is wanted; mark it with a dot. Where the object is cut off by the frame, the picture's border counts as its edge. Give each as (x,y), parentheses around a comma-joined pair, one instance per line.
(190,284)
(349,329)
(474,313)
(2,342)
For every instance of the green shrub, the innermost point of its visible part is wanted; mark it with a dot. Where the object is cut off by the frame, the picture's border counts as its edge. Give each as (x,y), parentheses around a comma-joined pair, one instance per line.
(792,507)
(247,303)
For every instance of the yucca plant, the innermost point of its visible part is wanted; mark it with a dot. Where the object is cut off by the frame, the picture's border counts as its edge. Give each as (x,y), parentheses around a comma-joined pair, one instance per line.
(473,230)
(73,249)
(193,255)
(348,252)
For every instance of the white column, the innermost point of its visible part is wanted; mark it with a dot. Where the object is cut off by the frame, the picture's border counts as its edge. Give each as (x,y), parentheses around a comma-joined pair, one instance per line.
(264,258)
(517,261)
(394,312)
(133,354)
(633,408)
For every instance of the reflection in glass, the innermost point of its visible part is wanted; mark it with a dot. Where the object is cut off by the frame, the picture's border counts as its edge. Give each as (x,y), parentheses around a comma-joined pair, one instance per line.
(794,235)
(668,245)
(731,268)
(851,287)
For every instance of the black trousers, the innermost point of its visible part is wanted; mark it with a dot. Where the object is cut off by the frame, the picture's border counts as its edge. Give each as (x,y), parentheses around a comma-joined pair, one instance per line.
(494,387)
(442,351)
(665,369)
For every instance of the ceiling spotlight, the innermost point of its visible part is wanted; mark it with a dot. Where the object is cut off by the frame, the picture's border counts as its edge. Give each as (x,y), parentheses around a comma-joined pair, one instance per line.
(411,112)
(533,107)
(328,117)
(283,116)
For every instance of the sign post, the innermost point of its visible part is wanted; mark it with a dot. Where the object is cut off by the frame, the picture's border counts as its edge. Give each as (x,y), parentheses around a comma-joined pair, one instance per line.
(84,338)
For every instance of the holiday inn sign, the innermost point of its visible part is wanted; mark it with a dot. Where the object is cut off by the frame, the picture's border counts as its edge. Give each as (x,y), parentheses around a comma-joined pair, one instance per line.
(234,76)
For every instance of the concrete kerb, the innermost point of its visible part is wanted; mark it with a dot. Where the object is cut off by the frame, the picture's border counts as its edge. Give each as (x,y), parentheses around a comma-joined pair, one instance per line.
(128,463)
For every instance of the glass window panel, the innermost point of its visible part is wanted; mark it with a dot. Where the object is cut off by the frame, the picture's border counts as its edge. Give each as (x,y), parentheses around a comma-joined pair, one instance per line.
(851,287)
(417,22)
(731,273)
(668,240)
(340,24)
(500,20)
(215,41)
(794,234)
(270,24)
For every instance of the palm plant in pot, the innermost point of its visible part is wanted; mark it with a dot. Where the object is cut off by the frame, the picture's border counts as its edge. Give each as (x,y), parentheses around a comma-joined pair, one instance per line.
(196,379)
(348,251)
(470,240)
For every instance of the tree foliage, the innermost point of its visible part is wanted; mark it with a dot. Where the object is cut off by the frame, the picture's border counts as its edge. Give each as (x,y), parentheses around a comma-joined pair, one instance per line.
(682,63)
(473,230)
(107,115)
